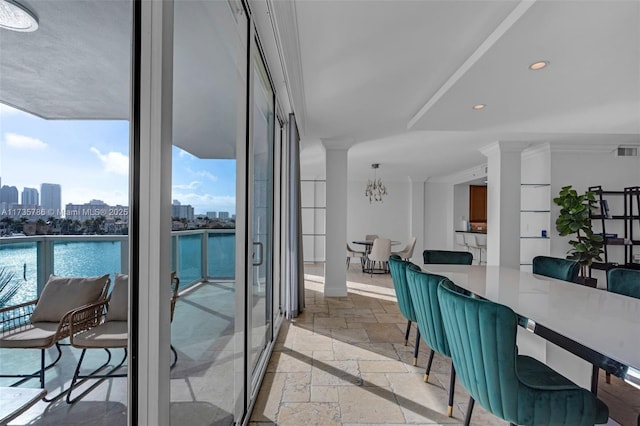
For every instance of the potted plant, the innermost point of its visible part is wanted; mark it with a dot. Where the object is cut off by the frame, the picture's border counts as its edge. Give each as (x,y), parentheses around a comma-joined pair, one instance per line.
(575,211)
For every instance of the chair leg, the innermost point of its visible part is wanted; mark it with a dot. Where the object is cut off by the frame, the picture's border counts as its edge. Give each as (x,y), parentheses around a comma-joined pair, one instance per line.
(595,372)
(175,357)
(406,334)
(426,373)
(452,388)
(416,347)
(93,375)
(467,418)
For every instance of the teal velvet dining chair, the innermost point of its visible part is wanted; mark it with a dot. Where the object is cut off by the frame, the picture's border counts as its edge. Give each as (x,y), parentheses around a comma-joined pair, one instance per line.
(398,269)
(447,257)
(626,282)
(424,295)
(555,267)
(516,388)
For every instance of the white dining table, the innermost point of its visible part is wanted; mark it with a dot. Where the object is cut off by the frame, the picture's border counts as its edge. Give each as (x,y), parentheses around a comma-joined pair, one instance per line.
(601,327)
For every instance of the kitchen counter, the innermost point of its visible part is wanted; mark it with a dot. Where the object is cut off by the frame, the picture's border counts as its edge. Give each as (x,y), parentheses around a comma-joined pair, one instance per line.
(473,232)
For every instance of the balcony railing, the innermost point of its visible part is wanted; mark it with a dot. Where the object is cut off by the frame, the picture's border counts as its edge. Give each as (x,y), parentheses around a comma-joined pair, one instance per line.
(198,255)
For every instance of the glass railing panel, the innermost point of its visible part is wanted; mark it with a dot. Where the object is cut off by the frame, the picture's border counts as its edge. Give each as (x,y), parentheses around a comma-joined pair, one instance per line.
(20,261)
(189,259)
(221,259)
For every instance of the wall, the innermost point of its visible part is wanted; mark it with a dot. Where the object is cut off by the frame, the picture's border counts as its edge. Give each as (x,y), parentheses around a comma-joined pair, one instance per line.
(460,205)
(439,216)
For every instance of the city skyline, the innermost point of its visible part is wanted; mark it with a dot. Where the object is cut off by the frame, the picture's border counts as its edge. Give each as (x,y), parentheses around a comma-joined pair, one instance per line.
(89,159)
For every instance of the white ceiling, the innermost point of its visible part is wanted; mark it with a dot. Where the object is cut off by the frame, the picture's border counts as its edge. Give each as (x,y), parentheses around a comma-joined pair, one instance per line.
(395,80)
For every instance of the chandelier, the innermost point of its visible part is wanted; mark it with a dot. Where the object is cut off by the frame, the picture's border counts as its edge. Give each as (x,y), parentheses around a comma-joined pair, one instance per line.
(375,188)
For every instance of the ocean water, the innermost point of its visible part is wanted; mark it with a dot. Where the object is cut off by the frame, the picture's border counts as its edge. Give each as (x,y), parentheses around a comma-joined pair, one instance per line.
(90,258)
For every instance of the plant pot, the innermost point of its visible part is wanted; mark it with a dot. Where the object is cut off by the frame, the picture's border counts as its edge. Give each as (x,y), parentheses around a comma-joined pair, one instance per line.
(588,281)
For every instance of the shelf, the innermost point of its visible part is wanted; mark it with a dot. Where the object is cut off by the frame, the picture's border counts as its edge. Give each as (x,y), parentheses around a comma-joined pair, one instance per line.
(535,211)
(601,266)
(535,184)
(535,238)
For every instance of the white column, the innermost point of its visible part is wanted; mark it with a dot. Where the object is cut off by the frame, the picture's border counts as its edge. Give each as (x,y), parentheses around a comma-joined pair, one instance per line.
(151,221)
(416,216)
(335,272)
(503,203)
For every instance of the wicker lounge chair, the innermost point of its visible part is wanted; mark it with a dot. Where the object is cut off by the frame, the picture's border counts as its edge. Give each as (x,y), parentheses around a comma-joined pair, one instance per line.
(42,323)
(104,325)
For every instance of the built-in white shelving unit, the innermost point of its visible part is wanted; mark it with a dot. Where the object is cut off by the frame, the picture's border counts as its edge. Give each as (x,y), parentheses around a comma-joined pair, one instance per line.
(535,222)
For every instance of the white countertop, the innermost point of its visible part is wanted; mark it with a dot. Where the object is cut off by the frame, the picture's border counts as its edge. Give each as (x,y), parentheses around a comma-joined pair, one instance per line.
(606,322)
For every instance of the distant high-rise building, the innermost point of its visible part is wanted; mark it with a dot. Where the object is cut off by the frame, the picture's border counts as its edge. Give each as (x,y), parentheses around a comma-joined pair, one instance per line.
(212,215)
(51,199)
(9,195)
(223,215)
(30,197)
(182,211)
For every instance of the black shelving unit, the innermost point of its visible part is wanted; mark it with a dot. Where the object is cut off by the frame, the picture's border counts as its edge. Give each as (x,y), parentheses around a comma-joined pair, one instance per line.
(631,222)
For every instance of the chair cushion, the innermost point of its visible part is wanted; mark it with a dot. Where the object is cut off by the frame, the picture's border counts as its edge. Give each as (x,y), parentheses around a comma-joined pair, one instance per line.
(63,294)
(119,303)
(111,334)
(35,335)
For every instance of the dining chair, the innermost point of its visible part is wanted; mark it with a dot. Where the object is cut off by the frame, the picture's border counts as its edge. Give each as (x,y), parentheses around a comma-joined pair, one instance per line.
(370,237)
(447,257)
(407,252)
(398,268)
(44,322)
(460,240)
(380,252)
(626,282)
(516,388)
(472,243)
(351,252)
(555,267)
(423,288)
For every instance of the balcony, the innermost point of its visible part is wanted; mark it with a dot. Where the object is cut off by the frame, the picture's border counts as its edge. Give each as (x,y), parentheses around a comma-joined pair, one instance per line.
(202,329)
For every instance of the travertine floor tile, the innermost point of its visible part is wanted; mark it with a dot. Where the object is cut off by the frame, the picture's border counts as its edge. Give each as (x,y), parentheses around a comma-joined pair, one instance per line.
(311,414)
(368,405)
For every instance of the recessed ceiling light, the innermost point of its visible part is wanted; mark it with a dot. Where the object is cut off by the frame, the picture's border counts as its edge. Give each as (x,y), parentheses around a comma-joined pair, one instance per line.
(16,17)
(538,65)
(478,107)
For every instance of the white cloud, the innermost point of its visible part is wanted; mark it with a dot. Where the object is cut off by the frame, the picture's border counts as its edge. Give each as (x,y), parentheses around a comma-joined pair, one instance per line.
(114,162)
(203,173)
(192,185)
(23,142)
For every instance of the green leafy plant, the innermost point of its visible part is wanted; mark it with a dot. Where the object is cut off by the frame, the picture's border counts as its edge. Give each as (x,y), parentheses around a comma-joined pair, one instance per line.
(8,287)
(575,210)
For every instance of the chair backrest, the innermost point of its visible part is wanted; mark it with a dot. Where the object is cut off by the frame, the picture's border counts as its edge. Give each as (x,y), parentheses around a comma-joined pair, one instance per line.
(448,257)
(398,268)
(62,295)
(554,267)
(482,341)
(380,250)
(470,240)
(460,239)
(408,250)
(624,281)
(370,237)
(423,288)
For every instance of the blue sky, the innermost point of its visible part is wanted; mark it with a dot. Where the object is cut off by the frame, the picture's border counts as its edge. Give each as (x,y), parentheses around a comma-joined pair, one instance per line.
(90,160)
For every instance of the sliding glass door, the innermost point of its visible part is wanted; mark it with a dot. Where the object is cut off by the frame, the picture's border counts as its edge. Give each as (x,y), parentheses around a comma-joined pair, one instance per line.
(260,291)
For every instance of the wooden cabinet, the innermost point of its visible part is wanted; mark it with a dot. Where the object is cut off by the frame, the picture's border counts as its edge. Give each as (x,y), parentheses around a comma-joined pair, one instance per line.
(477,203)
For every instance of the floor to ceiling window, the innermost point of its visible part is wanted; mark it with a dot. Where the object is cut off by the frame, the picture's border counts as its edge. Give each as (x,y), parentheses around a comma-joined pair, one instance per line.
(64,177)
(209,123)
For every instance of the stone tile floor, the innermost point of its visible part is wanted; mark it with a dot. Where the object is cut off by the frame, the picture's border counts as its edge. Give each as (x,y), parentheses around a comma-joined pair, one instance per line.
(343,362)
